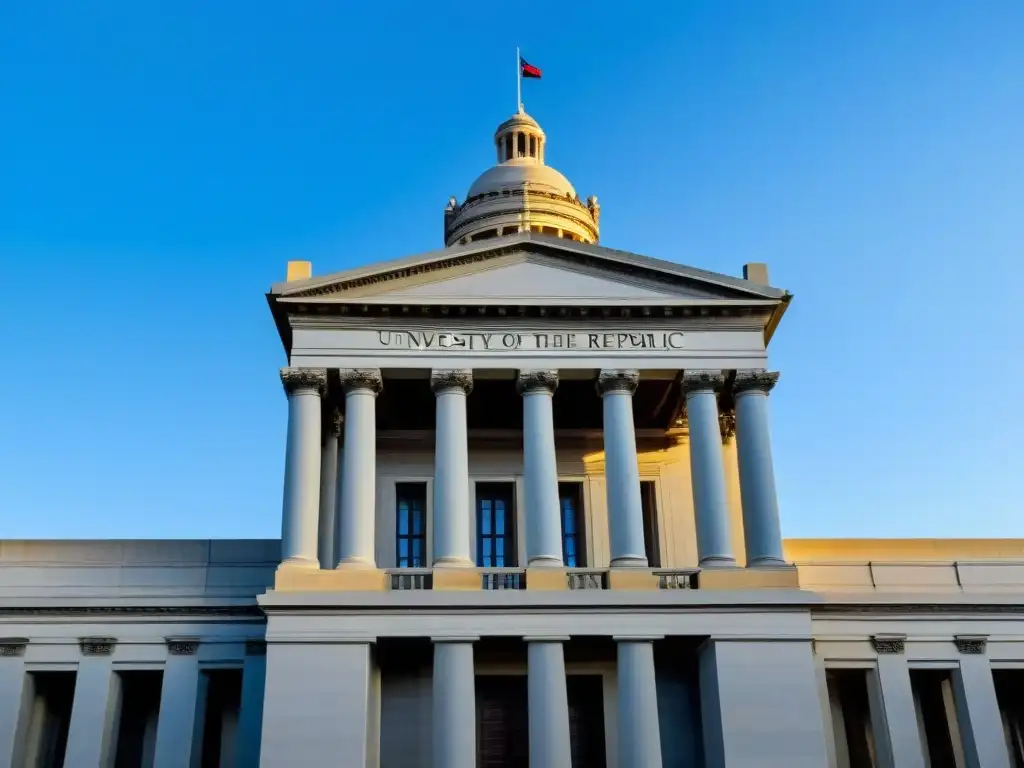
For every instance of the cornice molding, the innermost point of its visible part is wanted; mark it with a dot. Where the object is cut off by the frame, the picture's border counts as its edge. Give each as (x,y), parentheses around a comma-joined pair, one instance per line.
(617,381)
(754,381)
(537,381)
(304,379)
(240,611)
(457,378)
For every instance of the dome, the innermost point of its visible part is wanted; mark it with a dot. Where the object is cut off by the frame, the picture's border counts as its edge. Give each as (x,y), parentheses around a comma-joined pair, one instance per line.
(514,174)
(521,193)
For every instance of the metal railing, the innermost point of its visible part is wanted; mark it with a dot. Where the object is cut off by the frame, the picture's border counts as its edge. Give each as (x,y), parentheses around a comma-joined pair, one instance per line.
(676,579)
(502,578)
(410,578)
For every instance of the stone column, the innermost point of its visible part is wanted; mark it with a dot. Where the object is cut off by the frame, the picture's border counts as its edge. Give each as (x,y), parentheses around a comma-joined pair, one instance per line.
(707,470)
(250,716)
(761,531)
(451,514)
(622,472)
(540,470)
(93,710)
(977,708)
(12,698)
(305,387)
(893,714)
(548,703)
(639,734)
(356,544)
(179,703)
(454,703)
(328,491)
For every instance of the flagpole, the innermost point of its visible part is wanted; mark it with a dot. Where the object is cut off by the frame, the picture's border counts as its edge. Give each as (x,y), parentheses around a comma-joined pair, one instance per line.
(519,82)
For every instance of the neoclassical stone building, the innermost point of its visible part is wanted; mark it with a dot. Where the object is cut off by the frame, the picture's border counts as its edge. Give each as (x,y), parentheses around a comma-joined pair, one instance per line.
(529,518)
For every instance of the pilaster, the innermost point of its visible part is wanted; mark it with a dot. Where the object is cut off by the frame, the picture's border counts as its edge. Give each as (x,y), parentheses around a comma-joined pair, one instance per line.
(977,708)
(250,716)
(179,705)
(12,699)
(893,714)
(90,743)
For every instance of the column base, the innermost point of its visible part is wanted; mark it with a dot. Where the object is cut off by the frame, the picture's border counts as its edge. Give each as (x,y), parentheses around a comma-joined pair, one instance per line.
(629,561)
(355,563)
(545,561)
(717,561)
(311,580)
(453,562)
(768,561)
(300,562)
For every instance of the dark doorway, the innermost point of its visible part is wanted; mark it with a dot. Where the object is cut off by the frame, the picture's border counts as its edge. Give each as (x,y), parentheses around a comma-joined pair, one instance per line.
(586,720)
(502,725)
(495,525)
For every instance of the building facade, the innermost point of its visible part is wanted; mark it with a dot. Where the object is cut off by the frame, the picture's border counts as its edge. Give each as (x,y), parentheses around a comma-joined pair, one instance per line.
(529,519)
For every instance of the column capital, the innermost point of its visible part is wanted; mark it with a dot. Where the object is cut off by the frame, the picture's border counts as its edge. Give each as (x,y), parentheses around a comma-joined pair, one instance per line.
(13,646)
(361,378)
(702,381)
(754,381)
(535,381)
(455,639)
(971,643)
(304,379)
(96,646)
(182,646)
(335,422)
(614,380)
(456,378)
(889,643)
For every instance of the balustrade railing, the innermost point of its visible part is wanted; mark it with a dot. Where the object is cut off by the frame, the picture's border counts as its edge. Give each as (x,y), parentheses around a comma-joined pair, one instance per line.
(587,579)
(502,578)
(676,579)
(411,578)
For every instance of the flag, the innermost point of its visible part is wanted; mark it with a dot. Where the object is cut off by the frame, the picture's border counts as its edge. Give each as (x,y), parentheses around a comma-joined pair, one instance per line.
(528,70)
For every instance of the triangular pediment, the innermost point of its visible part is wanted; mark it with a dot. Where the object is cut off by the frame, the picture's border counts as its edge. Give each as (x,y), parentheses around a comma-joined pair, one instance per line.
(527,269)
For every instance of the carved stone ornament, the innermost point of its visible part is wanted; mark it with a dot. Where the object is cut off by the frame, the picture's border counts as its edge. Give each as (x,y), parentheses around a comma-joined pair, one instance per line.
(727,425)
(255,647)
(13,646)
(96,646)
(702,381)
(889,643)
(299,379)
(182,646)
(535,381)
(749,381)
(970,643)
(335,422)
(617,381)
(459,378)
(361,378)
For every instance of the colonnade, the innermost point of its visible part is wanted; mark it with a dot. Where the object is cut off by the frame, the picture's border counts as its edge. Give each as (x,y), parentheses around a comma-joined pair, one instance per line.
(310,480)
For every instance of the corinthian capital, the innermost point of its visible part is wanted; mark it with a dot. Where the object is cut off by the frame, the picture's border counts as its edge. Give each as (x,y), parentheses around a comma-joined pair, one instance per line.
(617,381)
(361,378)
(458,378)
(536,381)
(702,381)
(298,379)
(754,381)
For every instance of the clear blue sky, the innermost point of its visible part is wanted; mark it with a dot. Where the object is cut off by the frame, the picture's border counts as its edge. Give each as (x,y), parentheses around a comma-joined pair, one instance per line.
(160,163)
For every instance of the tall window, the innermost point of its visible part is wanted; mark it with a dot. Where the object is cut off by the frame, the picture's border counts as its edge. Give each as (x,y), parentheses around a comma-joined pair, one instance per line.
(495,525)
(411,525)
(570,500)
(649,506)
(851,717)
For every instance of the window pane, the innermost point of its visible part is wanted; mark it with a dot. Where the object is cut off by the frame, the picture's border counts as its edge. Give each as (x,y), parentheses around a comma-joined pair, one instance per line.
(417,520)
(485,520)
(487,547)
(403,547)
(570,546)
(403,518)
(499,519)
(499,505)
(499,547)
(569,520)
(417,553)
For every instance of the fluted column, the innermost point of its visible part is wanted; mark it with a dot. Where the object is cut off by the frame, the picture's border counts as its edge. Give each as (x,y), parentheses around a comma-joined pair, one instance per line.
(761,529)
(305,387)
(451,513)
(540,470)
(639,732)
(548,703)
(622,472)
(359,469)
(707,471)
(328,491)
(454,703)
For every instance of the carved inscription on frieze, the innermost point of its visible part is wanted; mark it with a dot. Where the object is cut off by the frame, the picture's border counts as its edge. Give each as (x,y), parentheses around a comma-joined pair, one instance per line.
(547,340)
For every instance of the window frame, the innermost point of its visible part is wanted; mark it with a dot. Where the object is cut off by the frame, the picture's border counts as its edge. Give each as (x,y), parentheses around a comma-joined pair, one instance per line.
(412,535)
(579,521)
(509,535)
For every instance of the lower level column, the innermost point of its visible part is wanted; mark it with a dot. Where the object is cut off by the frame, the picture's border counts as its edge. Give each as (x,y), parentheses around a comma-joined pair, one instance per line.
(179,703)
(893,713)
(622,470)
(12,699)
(977,708)
(93,710)
(639,732)
(454,703)
(317,706)
(548,703)
(250,715)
